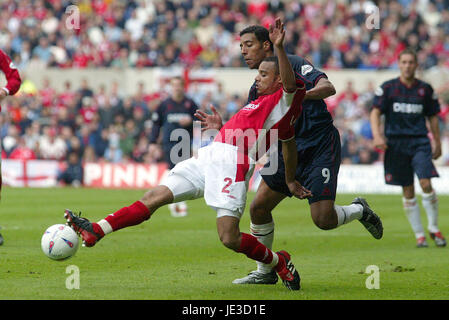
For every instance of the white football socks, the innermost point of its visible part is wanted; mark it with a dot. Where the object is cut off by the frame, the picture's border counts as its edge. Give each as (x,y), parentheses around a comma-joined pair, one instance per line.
(412,212)
(265,234)
(430,204)
(346,214)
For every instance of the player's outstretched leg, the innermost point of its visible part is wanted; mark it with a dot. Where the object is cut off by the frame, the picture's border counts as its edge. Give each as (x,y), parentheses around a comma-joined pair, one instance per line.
(370,220)
(90,232)
(132,215)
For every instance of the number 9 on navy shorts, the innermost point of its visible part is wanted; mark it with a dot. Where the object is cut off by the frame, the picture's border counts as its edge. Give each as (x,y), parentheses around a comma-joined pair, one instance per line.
(317,169)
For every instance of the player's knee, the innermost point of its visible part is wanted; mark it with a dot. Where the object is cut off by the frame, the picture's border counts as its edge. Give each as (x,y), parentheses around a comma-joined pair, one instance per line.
(324,221)
(230,241)
(426,185)
(256,210)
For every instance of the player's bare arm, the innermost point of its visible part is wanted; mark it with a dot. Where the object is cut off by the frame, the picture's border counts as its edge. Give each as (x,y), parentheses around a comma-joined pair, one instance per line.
(290,154)
(277,35)
(435,129)
(322,90)
(378,138)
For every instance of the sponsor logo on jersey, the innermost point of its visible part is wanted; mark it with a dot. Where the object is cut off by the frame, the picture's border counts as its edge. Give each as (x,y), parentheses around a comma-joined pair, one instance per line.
(305,69)
(407,107)
(251,106)
(176,117)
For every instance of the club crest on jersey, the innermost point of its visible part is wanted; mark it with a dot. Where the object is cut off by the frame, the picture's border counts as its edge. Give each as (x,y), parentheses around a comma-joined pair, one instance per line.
(379,91)
(251,106)
(305,69)
(12,65)
(421,92)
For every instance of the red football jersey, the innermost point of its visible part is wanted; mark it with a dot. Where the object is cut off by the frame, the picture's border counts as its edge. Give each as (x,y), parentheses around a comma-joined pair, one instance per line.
(251,127)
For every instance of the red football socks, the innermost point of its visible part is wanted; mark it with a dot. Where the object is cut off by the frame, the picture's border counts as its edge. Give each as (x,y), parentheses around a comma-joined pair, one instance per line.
(128,216)
(255,250)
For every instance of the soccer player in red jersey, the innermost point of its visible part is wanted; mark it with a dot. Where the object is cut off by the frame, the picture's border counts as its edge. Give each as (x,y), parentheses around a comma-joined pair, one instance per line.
(222,170)
(12,86)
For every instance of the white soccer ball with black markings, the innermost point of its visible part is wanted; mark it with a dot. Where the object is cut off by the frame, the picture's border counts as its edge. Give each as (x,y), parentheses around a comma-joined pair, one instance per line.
(59,242)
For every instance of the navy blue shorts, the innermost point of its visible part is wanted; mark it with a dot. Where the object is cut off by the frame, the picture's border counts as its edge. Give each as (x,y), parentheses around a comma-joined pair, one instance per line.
(317,169)
(406,156)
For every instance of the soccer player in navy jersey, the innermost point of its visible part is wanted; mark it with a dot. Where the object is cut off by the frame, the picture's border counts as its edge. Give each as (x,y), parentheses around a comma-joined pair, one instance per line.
(175,112)
(319,155)
(406,103)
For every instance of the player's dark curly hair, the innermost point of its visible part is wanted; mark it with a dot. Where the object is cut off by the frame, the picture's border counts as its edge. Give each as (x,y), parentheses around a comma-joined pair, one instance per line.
(275,60)
(260,32)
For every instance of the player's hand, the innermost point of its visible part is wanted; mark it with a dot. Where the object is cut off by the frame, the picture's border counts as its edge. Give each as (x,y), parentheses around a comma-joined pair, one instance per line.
(209,121)
(380,143)
(298,190)
(277,33)
(436,151)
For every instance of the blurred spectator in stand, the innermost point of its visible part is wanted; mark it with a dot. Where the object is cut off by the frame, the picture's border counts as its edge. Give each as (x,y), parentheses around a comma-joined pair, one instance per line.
(22,152)
(73,173)
(51,146)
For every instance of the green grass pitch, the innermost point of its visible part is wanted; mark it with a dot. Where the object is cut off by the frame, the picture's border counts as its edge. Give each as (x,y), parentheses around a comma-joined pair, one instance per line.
(169,258)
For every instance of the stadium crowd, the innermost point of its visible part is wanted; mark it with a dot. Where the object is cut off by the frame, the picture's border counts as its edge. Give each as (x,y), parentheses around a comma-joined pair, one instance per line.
(144,33)
(83,124)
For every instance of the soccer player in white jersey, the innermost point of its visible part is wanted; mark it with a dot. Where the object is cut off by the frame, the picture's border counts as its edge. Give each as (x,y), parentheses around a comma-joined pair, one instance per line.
(222,170)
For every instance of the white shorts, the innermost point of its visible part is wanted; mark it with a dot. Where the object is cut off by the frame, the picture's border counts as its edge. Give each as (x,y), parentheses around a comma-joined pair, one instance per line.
(214,175)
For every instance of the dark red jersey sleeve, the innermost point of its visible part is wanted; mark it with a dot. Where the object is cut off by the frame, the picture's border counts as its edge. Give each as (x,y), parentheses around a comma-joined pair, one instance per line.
(11,74)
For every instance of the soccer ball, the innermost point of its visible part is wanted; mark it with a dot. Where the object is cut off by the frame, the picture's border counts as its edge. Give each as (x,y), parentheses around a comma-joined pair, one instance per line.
(59,242)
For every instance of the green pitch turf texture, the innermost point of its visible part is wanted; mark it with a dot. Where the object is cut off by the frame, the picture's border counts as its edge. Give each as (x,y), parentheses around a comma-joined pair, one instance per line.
(182,258)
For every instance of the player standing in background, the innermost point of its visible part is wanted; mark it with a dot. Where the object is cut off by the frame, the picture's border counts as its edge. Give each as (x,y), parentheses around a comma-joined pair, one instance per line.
(176,112)
(12,86)
(319,149)
(222,170)
(406,102)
